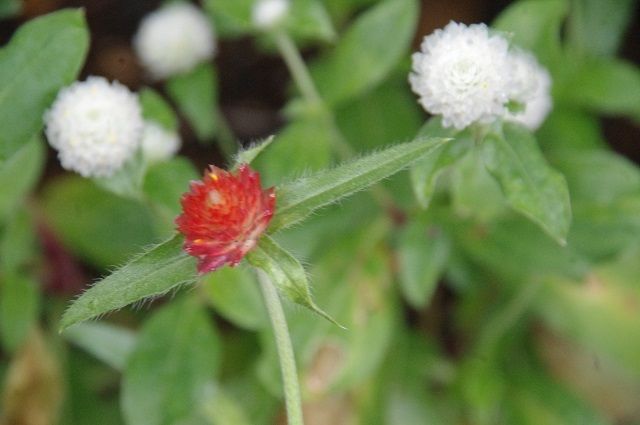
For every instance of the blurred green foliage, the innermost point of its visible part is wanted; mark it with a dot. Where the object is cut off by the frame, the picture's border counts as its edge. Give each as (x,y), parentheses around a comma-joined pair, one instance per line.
(502,287)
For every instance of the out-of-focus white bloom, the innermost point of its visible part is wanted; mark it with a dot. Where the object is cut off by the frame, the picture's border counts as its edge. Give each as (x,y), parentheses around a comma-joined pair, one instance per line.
(95,126)
(531,88)
(462,74)
(174,39)
(268,13)
(159,144)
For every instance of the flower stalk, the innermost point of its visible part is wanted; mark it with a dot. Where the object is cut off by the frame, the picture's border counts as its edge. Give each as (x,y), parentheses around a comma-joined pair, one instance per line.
(293,400)
(304,82)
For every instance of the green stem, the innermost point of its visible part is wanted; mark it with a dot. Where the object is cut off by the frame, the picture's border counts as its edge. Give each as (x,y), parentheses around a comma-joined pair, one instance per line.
(305,84)
(285,351)
(297,67)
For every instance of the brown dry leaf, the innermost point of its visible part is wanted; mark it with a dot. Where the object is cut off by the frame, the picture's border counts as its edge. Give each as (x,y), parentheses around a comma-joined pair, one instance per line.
(33,387)
(592,377)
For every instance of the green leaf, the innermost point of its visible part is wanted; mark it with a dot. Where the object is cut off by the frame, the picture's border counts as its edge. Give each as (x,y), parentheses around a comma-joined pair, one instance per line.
(155,272)
(298,199)
(426,171)
(605,86)
(165,183)
(234,294)
(303,146)
(19,308)
(44,55)
(18,246)
(531,187)
(108,343)
(286,272)
(196,95)
(9,8)
(474,192)
(248,154)
(390,112)
(309,20)
(166,376)
(535,25)
(367,52)
(598,176)
(221,408)
(596,27)
(231,17)
(96,225)
(570,128)
(18,175)
(126,181)
(155,108)
(422,256)
(514,249)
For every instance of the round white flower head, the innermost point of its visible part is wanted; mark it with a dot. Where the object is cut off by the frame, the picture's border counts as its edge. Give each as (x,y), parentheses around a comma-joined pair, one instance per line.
(95,126)
(269,13)
(461,73)
(159,144)
(531,88)
(174,39)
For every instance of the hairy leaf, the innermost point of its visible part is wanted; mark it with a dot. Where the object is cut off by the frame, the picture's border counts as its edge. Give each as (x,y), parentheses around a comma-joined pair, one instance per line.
(155,272)
(286,273)
(298,199)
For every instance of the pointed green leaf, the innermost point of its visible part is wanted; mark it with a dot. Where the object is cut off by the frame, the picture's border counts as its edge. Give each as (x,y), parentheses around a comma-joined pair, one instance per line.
(605,86)
(530,185)
(165,182)
(597,27)
(44,55)
(298,199)
(426,172)
(196,95)
(286,273)
(303,146)
(97,226)
(155,108)
(309,20)
(221,408)
(108,343)
(164,267)
(248,154)
(234,294)
(19,309)
(423,252)
(169,370)
(536,25)
(367,52)
(19,174)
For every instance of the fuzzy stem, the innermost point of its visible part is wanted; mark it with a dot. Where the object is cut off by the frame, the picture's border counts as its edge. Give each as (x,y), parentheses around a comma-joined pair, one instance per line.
(291,386)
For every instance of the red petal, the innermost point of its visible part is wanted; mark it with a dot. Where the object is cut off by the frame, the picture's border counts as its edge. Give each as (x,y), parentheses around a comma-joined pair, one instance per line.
(223,216)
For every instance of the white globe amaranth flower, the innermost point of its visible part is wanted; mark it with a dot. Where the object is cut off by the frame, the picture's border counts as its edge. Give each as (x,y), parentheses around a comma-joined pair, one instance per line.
(462,74)
(174,39)
(531,89)
(95,126)
(269,13)
(158,143)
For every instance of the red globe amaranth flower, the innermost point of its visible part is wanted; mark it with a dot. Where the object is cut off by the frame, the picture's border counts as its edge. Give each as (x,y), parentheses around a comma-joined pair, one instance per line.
(224,215)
